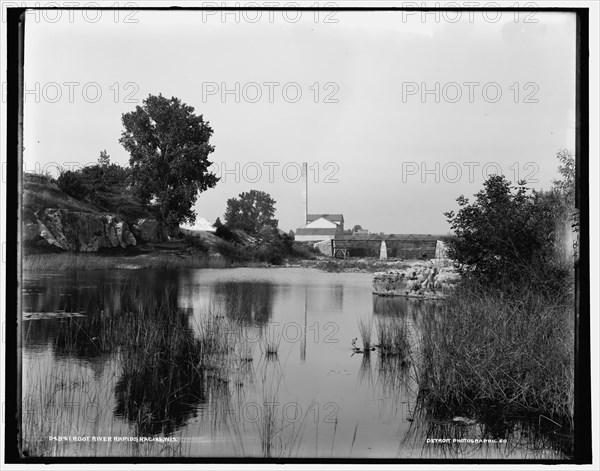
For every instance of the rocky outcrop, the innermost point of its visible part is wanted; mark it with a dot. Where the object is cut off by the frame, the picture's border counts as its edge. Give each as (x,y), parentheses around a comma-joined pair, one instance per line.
(150,230)
(79,231)
(428,280)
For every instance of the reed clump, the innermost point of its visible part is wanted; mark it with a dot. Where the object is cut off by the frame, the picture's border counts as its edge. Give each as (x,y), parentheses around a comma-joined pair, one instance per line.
(393,337)
(365,327)
(486,350)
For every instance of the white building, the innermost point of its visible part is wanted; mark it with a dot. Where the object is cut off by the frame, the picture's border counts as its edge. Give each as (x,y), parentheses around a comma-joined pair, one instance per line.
(320,227)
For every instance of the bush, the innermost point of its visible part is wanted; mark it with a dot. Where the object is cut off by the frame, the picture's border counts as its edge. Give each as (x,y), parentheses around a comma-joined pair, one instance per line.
(507,237)
(235,252)
(73,184)
(303,250)
(223,232)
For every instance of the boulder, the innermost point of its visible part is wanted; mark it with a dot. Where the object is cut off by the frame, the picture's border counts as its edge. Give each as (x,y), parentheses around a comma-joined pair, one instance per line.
(150,230)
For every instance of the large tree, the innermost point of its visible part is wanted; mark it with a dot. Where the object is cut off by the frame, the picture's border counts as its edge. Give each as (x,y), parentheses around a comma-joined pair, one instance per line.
(251,212)
(169,148)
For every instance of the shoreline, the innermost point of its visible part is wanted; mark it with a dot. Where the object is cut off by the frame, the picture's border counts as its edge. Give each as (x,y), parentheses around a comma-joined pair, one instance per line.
(174,259)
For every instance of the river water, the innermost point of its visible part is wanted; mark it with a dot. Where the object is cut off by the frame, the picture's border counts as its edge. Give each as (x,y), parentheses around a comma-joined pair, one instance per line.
(315,397)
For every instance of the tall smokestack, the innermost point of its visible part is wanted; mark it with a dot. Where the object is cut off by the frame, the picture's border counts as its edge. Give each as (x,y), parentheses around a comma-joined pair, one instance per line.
(305,190)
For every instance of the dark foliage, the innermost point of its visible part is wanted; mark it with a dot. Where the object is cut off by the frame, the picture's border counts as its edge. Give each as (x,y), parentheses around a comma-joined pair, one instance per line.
(511,236)
(73,184)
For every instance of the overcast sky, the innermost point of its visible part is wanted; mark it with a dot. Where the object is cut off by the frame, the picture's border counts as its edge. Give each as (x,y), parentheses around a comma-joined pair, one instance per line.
(386,156)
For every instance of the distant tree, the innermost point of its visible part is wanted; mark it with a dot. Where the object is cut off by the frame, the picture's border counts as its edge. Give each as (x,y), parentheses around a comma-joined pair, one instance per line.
(104,159)
(218,223)
(292,235)
(169,148)
(356,228)
(251,212)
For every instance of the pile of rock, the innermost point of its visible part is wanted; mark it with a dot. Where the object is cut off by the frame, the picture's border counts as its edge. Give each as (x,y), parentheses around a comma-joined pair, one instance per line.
(427,280)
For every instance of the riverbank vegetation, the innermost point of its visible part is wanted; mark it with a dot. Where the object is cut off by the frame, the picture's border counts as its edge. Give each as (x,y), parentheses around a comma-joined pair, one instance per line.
(500,349)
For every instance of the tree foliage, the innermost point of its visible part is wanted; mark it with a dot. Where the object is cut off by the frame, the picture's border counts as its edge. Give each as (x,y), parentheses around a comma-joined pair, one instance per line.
(511,235)
(169,148)
(251,212)
(95,183)
(72,183)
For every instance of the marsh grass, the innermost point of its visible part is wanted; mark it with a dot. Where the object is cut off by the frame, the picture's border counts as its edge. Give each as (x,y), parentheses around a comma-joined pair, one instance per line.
(497,358)
(93,261)
(365,327)
(160,367)
(278,434)
(270,341)
(393,337)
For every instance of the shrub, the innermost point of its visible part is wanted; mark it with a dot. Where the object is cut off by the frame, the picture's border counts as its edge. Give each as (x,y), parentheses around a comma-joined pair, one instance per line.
(234,252)
(73,184)
(507,237)
(223,232)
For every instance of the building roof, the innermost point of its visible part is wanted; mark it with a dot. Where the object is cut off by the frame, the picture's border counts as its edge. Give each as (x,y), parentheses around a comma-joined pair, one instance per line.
(387,237)
(316,231)
(330,217)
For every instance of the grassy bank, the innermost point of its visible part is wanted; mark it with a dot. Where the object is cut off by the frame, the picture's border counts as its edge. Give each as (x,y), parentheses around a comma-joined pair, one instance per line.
(188,252)
(92,261)
(498,358)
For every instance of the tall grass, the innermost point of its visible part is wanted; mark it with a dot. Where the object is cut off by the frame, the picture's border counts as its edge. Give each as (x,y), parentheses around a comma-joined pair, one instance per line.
(160,367)
(90,261)
(365,327)
(488,354)
(279,435)
(393,337)
(270,341)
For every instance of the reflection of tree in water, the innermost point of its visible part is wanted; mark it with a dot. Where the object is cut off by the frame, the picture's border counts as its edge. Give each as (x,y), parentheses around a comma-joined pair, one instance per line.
(162,384)
(138,321)
(333,296)
(247,302)
(398,306)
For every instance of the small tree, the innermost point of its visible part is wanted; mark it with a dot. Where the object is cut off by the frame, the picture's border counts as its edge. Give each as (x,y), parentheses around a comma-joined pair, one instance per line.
(169,148)
(356,228)
(510,236)
(104,159)
(251,212)
(496,237)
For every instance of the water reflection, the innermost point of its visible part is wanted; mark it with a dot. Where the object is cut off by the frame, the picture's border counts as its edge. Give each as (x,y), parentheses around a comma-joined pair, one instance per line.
(491,436)
(142,338)
(137,321)
(390,306)
(246,302)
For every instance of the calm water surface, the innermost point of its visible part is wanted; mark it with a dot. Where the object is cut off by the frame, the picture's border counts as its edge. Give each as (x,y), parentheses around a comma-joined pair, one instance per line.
(324,401)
